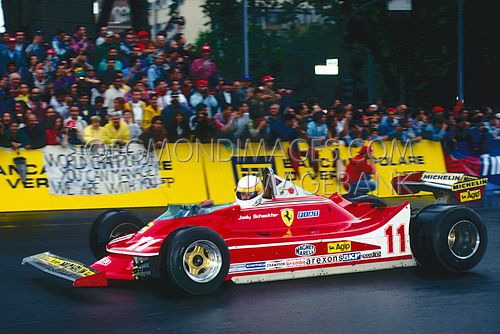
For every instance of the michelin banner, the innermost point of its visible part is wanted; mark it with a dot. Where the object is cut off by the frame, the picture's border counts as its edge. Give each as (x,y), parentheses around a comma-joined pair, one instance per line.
(70,178)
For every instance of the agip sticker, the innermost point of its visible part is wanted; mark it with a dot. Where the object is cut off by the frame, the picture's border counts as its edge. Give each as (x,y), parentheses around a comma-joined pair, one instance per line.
(339,247)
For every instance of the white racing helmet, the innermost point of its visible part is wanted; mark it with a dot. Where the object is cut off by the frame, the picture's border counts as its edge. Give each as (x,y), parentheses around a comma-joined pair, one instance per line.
(249,191)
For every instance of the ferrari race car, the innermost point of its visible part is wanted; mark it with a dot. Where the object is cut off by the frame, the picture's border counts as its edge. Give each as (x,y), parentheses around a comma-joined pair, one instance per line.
(291,234)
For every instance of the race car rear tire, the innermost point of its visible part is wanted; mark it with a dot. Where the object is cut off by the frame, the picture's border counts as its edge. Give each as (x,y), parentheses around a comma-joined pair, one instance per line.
(448,238)
(110,225)
(376,201)
(195,259)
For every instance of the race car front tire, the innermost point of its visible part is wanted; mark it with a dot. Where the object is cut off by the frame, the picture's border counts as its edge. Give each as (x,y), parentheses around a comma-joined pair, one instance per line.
(449,238)
(195,259)
(110,225)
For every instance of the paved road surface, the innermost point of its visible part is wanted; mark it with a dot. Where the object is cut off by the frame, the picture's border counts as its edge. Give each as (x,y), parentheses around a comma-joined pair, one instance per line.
(394,301)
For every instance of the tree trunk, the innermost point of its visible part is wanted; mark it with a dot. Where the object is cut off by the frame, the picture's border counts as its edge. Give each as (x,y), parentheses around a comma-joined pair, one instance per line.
(105,14)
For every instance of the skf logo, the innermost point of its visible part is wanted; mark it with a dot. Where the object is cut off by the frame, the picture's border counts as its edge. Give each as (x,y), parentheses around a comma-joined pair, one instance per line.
(350,257)
(287,215)
(305,250)
(470,195)
(308,214)
(339,247)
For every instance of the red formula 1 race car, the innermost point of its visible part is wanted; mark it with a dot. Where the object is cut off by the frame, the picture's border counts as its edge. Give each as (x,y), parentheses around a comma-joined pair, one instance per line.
(290,234)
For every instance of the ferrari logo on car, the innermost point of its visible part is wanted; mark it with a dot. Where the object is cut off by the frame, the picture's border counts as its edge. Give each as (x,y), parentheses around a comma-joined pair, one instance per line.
(287,215)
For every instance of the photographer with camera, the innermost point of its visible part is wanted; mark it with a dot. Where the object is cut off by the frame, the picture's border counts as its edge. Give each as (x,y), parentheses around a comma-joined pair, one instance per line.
(203,95)
(202,125)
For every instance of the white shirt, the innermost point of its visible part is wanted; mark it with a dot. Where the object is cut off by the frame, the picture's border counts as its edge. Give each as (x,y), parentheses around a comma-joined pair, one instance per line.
(227,97)
(110,95)
(137,111)
(182,98)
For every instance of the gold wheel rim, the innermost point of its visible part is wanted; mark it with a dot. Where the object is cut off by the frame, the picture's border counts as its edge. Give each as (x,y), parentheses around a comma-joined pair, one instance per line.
(202,261)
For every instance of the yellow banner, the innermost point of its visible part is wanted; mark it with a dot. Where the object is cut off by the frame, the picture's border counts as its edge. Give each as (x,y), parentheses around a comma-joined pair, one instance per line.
(391,158)
(192,172)
(182,177)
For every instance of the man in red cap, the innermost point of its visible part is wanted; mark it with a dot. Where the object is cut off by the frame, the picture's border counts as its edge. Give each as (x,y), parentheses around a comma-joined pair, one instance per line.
(203,68)
(269,95)
(143,40)
(357,178)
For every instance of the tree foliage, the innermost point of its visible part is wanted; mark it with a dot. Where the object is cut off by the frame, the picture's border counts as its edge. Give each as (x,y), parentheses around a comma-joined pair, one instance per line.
(414,52)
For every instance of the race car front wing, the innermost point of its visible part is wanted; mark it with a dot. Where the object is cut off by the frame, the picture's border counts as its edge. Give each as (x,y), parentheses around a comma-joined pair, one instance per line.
(78,273)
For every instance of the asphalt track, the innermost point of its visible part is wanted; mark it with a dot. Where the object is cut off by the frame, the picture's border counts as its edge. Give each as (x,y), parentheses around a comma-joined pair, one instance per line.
(392,301)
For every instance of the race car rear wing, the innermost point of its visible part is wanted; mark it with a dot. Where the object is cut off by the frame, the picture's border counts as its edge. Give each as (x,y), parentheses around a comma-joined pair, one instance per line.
(447,187)
(78,273)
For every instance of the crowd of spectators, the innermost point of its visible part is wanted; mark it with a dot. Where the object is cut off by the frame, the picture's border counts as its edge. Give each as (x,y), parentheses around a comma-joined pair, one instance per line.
(72,89)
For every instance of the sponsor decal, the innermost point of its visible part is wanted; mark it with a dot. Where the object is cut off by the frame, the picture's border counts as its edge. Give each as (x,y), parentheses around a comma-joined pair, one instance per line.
(441,176)
(324,259)
(105,261)
(305,250)
(339,247)
(470,195)
(372,255)
(287,215)
(70,266)
(469,184)
(275,264)
(300,262)
(296,262)
(308,214)
(250,163)
(350,257)
(246,267)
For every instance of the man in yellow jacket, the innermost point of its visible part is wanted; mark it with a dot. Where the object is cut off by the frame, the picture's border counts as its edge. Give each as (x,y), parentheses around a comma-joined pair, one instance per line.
(117,131)
(95,132)
(152,109)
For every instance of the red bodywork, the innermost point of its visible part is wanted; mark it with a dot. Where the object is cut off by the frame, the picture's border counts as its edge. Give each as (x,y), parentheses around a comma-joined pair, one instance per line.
(281,238)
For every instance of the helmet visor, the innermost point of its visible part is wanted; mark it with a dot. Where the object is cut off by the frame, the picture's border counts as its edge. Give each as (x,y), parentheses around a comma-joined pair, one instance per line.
(247,193)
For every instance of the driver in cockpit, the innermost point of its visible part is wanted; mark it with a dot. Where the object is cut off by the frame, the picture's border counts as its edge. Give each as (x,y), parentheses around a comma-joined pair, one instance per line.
(249,192)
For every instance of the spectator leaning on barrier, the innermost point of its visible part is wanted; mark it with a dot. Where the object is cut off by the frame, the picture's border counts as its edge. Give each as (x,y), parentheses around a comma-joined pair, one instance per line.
(53,131)
(14,138)
(155,134)
(202,125)
(240,128)
(178,128)
(224,120)
(117,132)
(134,128)
(95,132)
(357,179)
(35,133)
(74,115)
